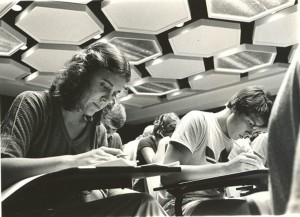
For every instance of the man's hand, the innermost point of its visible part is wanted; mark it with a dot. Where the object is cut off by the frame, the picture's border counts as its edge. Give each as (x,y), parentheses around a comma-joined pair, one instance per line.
(244,162)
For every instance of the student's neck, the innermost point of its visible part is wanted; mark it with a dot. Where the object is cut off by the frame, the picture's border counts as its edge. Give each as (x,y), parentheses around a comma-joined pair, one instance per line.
(73,116)
(222,118)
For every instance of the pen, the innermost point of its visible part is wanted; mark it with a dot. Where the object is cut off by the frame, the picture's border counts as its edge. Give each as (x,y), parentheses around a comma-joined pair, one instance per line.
(249,150)
(238,145)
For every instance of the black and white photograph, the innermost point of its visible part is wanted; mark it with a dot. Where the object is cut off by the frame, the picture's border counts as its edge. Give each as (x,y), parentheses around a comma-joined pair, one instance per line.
(149,108)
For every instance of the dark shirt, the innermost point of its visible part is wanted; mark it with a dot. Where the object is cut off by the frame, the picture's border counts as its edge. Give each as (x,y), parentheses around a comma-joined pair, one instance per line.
(148,141)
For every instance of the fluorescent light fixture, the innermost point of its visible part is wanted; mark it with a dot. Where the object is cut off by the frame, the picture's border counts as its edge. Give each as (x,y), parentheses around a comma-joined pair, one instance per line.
(153,86)
(185,92)
(245,58)
(244,10)
(31,77)
(10,40)
(139,101)
(137,48)
(276,68)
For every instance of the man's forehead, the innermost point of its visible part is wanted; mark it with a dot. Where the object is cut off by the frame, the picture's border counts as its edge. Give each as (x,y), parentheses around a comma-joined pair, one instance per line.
(258,121)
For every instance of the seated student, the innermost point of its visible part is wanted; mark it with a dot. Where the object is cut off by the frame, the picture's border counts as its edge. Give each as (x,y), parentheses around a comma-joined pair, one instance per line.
(52,130)
(113,117)
(260,147)
(256,143)
(151,149)
(130,148)
(202,141)
(284,149)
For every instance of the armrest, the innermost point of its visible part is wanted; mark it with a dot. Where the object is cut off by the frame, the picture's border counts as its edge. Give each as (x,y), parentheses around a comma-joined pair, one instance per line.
(253,177)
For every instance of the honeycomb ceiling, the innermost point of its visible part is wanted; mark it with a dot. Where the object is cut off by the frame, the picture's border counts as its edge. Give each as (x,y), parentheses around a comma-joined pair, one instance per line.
(185,54)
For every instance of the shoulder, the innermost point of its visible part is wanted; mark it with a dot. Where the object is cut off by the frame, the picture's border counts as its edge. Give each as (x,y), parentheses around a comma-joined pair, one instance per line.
(194,118)
(146,142)
(116,136)
(34,97)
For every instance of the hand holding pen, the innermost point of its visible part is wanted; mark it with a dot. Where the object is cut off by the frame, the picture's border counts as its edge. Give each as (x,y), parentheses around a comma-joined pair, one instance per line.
(239,149)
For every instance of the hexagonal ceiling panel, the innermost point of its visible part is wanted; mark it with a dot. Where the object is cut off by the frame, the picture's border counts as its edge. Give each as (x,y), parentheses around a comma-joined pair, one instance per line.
(175,67)
(210,80)
(135,74)
(244,10)
(55,56)
(181,93)
(12,70)
(245,58)
(138,48)
(205,38)
(5,6)
(268,70)
(38,79)
(10,40)
(278,29)
(293,52)
(75,1)
(55,22)
(139,101)
(153,86)
(149,17)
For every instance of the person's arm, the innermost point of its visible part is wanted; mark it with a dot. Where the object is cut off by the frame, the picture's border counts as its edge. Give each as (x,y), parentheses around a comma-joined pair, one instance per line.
(294,200)
(15,169)
(158,156)
(178,152)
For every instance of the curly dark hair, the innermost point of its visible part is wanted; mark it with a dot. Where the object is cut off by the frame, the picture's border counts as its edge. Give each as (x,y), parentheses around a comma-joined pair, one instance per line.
(252,100)
(74,78)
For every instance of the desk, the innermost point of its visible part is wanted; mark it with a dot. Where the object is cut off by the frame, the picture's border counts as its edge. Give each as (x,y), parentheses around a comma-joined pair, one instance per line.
(79,179)
(253,177)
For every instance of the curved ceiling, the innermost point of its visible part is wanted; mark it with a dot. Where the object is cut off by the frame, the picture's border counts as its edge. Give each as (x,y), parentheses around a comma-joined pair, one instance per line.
(185,54)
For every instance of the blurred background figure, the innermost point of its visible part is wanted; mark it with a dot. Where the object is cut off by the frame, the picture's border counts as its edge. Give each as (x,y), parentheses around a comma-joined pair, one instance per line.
(113,118)
(151,149)
(130,148)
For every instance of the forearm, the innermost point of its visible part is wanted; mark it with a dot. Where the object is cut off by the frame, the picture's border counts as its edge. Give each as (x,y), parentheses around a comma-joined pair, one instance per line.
(15,169)
(159,155)
(194,172)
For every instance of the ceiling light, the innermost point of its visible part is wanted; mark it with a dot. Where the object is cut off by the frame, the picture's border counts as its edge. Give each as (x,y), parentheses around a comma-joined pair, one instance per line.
(23,47)
(31,76)
(180,25)
(97,36)
(245,58)
(10,40)
(16,8)
(5,6)
(153,86)
(137,48)
(244,10)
